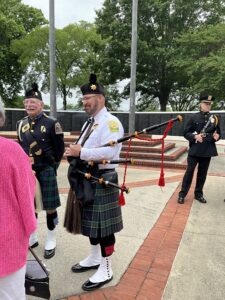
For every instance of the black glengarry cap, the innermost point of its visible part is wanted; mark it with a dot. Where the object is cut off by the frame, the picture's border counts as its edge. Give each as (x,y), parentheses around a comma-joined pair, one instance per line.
(33,92)
(92,87)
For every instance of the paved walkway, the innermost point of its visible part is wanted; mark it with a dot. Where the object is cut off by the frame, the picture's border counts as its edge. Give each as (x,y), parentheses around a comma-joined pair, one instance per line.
(166,250)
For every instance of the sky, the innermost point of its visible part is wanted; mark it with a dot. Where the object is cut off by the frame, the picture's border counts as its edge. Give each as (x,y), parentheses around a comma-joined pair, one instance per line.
(68,11)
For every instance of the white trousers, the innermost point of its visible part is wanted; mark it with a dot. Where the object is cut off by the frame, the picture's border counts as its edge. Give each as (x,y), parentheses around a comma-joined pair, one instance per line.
(12,286)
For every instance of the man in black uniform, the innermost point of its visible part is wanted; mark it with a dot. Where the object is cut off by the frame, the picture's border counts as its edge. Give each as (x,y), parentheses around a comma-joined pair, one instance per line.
(42,139)
(202,131)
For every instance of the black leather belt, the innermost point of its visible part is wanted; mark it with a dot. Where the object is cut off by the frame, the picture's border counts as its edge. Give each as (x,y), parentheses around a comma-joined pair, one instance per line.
(43,161)
(103,171)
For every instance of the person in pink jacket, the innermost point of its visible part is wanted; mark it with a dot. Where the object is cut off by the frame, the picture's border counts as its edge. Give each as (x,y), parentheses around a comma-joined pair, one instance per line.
(17,218)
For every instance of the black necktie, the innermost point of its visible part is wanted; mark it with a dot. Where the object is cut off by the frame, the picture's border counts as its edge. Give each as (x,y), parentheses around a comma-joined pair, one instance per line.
(89,125)
(82,131)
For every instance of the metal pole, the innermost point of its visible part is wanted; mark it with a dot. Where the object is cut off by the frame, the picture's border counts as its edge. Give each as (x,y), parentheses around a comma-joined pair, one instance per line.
(133,67)
(52,58)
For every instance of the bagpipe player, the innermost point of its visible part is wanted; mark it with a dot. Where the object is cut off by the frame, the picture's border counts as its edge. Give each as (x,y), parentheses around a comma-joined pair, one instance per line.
(101,213)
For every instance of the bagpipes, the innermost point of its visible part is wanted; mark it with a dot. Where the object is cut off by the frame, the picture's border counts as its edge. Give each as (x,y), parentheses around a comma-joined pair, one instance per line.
(145,130)
(82,177)
(106,161)
(89,164)
(104,182)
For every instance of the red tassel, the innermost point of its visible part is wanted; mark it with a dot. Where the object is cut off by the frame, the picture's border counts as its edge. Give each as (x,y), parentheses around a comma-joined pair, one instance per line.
(161,179)
(121,198)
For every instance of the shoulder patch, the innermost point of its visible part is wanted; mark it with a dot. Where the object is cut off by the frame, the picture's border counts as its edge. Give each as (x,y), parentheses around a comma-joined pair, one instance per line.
(58,128)
(113,126)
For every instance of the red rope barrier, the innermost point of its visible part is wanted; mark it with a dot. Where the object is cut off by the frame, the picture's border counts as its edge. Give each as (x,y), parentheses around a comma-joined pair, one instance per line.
(169,126)
(161,178)
(121,197)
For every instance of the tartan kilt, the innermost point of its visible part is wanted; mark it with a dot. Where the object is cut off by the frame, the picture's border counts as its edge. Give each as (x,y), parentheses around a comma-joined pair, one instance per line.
(49,188)
(104,216)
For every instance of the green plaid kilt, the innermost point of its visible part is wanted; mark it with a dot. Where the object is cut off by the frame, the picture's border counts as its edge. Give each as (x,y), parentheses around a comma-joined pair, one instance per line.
(104,216)
(49,188)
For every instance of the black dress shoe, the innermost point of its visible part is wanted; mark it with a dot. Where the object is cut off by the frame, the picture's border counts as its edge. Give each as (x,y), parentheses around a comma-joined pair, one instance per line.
(90,286)
(77,268)
(201,199)
(49,253)
(180,200)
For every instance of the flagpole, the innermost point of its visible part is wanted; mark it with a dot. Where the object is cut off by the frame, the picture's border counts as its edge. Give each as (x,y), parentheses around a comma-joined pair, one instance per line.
(133,66)
(52,64)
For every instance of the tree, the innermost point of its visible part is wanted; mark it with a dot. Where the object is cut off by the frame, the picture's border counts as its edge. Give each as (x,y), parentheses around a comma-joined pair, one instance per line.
(201,55)
(16,20)
(160,23)
(183,99)
(79,51)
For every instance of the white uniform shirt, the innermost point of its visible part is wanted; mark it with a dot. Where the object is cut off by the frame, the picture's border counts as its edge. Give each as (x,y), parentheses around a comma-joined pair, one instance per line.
(106,128)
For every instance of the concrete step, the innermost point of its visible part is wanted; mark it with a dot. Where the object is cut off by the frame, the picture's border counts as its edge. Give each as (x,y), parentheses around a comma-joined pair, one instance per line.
(168,156)
(135,142)
(71,138)
(151,149)
(144,143)
(157,164)
(144,153)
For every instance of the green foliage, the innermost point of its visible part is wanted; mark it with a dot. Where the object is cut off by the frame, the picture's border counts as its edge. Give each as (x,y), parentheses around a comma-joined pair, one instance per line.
(113,98)
(46,106)
(16,102)
(76,107)
(180,52)
(16,20)
(201,54)
(160,23)
(183,100)
(148,103)
(79,52)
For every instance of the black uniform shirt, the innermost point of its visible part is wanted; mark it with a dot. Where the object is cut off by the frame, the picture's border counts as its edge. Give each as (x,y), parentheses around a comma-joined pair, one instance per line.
(48,134)
(194,126)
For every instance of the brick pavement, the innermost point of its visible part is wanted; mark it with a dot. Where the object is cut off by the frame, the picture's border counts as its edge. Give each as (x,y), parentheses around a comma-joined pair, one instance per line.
(147,274)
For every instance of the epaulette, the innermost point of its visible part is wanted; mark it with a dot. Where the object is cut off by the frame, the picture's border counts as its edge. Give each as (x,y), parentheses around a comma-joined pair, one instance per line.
(49,117)
(22,120)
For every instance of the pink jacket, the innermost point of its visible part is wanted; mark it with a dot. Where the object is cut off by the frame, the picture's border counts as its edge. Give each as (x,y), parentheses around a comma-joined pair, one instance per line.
(17,218)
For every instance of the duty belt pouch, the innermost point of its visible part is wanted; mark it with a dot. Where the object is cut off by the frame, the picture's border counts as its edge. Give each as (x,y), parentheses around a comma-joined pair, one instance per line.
(37,278)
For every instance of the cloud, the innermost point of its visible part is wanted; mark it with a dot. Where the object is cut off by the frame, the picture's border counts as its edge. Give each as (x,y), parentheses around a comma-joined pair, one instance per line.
(68,11)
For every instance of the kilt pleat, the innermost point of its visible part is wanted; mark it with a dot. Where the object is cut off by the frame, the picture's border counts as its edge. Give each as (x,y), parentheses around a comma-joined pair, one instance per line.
(104,216)
(49,188)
